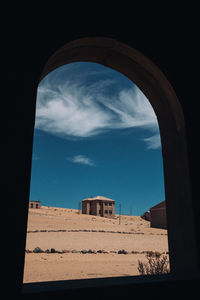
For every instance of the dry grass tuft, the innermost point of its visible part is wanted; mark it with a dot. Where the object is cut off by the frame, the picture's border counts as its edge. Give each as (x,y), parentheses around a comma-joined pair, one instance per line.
(156,264)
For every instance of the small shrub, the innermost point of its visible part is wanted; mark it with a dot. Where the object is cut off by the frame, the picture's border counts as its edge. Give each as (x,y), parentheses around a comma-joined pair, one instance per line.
(156,264)
(153,254)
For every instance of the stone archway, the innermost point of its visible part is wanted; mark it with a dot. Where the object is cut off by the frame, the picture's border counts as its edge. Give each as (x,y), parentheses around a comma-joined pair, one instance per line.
(153,83)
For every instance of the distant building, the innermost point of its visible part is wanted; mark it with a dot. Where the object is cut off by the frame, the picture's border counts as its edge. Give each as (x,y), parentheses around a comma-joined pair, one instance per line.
(34,204)
(158,217)
(99,206)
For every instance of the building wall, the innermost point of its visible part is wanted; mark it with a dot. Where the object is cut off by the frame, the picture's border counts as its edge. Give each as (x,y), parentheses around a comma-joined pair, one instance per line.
(86,207)
(108,209)
(158,218)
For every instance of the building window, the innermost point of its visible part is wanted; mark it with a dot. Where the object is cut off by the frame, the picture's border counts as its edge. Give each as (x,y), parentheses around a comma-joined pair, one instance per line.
(31,205)
(106,211)
(110,212)
(106,203)
(100,212)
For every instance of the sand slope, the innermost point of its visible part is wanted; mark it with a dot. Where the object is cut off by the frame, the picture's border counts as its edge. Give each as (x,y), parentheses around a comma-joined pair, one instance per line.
(67,230)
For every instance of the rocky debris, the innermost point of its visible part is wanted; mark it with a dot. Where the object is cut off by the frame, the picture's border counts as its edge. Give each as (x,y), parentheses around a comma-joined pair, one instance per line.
(90,251)
(93,230)
(29,251)
(37,250)
(75,251)
(122,251)
(68,251)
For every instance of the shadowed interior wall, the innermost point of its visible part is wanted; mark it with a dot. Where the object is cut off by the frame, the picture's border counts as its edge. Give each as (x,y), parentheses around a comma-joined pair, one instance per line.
(29,39)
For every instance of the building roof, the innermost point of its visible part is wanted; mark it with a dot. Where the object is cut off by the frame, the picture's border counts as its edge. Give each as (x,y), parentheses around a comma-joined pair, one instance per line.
(34,201)
(159,205)
(99,198)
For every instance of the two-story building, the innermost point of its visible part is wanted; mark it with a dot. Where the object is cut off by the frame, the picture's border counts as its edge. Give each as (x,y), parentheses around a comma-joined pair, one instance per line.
(99,206)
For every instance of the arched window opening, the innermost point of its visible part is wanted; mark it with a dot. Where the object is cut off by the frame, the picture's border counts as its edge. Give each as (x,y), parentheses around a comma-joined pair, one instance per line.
(95,134)
(156,88)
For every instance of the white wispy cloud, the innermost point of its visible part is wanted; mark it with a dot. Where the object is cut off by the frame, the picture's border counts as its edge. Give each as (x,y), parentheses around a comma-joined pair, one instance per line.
(74,110)
(69,111)
(81,159)
(153,142)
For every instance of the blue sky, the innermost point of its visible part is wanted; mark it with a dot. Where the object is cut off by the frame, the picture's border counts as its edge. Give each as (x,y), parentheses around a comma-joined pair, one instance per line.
(95,134)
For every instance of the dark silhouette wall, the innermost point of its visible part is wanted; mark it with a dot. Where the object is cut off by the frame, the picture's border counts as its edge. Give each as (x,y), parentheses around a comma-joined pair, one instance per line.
(158,218)
(30,37)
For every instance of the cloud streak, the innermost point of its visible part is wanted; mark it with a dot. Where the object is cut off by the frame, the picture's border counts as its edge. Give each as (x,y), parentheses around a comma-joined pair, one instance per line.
(81,159)
(78,109)
(153,142)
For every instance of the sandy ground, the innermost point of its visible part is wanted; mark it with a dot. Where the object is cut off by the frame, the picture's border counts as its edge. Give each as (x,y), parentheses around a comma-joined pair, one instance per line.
(67,230)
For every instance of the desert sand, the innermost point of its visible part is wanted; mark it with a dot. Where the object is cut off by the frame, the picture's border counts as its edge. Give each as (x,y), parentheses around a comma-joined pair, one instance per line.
(72,234)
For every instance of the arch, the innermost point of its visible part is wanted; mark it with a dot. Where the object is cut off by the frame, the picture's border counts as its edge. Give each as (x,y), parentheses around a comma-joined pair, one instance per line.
(147,76)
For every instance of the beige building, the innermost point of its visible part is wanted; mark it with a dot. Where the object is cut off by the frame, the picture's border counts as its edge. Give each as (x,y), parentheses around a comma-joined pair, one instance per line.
(99,206)
(34,204)
(158,217)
